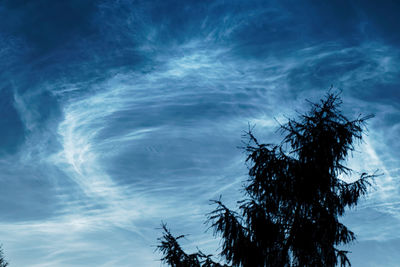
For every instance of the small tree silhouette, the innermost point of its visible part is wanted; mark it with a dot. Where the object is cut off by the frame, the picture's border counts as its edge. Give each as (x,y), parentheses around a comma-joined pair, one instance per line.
(293,197)
(3,262)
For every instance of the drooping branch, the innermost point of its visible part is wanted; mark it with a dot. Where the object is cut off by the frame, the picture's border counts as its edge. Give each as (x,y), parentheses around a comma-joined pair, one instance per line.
(175,256)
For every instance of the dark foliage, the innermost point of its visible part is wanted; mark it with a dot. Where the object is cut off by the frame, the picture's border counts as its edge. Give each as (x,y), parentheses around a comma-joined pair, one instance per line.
(176,257)
(294,197)
(3,262)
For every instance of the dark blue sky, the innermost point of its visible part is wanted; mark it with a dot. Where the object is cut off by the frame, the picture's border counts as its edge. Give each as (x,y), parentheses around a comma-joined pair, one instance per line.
(116,115)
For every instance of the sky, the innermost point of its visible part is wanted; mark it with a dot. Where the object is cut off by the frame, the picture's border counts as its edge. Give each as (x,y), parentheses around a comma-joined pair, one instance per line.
(118,115)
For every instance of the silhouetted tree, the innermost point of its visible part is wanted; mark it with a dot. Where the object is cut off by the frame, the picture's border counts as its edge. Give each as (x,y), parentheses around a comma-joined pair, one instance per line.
(3,262)
(293,197)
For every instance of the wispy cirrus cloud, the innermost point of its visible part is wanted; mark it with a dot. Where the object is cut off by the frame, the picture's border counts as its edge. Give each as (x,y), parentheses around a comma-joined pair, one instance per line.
(139,121)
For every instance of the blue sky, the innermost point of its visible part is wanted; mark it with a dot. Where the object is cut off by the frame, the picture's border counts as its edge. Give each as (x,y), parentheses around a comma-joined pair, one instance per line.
(117,115)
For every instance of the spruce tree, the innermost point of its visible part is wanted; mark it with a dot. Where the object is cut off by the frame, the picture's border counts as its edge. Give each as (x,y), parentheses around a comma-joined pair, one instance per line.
(293,199)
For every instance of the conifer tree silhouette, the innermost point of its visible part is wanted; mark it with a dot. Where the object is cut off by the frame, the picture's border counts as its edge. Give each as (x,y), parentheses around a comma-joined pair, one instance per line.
(3,262)
(293,198)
